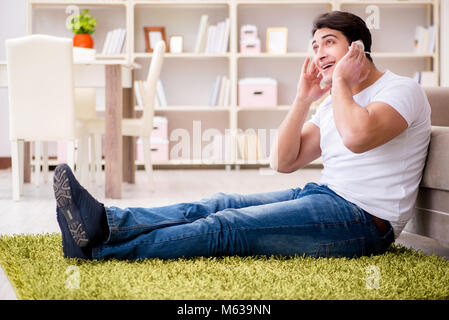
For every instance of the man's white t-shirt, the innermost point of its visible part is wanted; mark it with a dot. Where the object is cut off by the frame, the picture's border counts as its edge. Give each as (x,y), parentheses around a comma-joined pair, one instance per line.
(383,181)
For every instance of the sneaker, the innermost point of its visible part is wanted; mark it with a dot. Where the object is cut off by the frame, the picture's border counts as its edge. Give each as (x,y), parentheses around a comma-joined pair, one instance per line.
(85,217)
(69,248)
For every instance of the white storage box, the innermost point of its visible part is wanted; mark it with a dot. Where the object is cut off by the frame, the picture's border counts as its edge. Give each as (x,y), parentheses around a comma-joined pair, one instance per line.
(257,92)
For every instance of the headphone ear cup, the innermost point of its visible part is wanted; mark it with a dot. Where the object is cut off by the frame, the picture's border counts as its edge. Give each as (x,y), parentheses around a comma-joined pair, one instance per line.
(360,43)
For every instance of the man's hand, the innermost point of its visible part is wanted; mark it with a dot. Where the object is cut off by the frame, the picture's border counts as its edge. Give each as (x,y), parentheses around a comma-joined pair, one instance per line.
(309,83)
(351,67)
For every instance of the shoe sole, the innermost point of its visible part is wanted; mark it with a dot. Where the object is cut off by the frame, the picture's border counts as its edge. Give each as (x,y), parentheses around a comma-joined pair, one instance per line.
(64,201)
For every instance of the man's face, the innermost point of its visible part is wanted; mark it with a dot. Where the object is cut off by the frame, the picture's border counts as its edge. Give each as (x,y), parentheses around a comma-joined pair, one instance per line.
(329,46)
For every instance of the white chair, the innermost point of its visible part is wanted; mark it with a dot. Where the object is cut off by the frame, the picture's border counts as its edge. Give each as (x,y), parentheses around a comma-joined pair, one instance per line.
(85,104)
(85,110)
(139,127)
(41,101)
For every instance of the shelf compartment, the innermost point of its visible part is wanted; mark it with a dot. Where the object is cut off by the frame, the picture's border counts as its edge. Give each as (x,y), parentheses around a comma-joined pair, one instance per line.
(178,18)
(181,79)
(50,18)
(296,16)
(392,37)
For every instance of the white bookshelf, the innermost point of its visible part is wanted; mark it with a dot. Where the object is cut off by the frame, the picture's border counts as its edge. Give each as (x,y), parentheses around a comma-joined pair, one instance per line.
(188,77)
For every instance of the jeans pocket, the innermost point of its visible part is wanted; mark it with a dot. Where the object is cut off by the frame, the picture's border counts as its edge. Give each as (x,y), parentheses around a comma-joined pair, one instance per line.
(344,248)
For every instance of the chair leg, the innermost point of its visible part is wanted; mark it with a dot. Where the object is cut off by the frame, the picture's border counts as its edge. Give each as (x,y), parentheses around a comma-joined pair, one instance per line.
(45,160)
(71,155)
(21,146)
(83,160)
(147,160)
(37,162)
(76,159)
(98,156)
(92,169)
(15,161)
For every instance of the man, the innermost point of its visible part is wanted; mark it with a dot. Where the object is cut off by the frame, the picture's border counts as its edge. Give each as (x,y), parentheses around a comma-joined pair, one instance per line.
(372,133)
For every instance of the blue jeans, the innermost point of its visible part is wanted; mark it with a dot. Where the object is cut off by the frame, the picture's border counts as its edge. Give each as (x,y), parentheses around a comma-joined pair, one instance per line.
(314,221)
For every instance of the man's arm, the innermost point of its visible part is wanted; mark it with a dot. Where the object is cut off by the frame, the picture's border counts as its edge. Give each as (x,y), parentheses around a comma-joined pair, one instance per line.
(363,129)
(296,143)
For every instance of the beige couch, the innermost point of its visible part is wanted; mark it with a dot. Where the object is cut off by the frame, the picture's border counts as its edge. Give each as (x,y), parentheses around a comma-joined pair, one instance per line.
(431,218)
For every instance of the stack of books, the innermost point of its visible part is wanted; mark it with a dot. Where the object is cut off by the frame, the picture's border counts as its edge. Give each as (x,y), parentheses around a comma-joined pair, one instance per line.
(424,39)
(219,95)
(249,147)
(212,38)
(139,91)
(114,42)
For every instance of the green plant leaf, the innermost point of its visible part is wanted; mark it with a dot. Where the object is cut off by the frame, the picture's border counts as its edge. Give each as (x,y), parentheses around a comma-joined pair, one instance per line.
(83,23)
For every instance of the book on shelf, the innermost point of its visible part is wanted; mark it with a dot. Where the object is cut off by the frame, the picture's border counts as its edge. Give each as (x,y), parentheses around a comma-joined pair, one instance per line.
(225,38)
(213,152)
(114,42)
(219,34)
(219,95)
(431,42)
(201,36)
(249,148)
(426,78)
(212,30)
(139,92)
(212,38)
(214,91)
(160,93)
(222,91)
(227,93)
(424,41)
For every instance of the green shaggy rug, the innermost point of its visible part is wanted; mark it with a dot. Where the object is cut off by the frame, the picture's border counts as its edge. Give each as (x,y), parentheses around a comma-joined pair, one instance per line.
(37,270)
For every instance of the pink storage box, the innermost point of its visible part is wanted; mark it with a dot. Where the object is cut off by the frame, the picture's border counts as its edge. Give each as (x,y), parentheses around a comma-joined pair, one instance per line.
(257,92)
(248,31)
(159,128)
(159,150)
(250,45)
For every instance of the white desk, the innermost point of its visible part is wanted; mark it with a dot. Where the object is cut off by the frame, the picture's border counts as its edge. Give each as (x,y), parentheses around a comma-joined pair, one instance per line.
(87,74)
(113,82)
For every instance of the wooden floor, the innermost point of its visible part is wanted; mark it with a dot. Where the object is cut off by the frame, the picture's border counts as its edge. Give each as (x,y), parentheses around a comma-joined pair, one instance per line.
(35,212)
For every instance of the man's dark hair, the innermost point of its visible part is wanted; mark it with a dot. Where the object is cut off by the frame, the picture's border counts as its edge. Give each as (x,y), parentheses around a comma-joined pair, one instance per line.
(352,26)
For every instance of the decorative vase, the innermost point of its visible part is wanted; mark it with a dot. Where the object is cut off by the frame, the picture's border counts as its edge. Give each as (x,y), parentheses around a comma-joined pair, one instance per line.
(83,40)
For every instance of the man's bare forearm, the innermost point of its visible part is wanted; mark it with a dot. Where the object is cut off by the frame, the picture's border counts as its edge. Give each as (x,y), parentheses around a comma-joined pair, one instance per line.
(350,118)
(288,140)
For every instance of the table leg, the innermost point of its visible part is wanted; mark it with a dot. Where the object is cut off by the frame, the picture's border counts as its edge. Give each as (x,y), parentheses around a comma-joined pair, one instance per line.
(27,162)
(129,164)
(113,134)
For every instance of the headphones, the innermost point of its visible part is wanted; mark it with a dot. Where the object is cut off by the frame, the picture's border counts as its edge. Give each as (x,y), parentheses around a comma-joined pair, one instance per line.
(360,43)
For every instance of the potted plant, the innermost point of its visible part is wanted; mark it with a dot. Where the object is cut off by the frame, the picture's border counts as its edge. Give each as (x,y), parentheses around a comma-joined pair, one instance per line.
(83,25)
